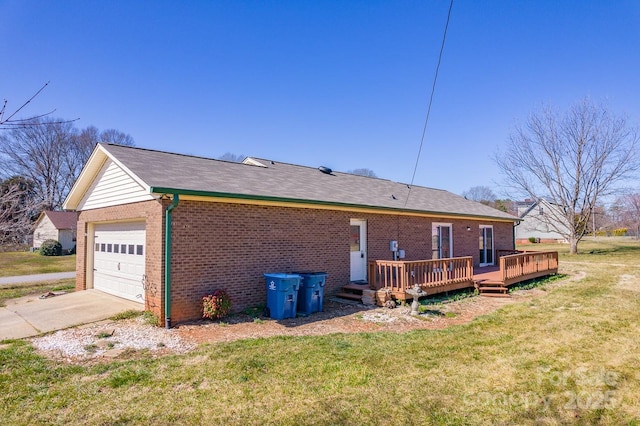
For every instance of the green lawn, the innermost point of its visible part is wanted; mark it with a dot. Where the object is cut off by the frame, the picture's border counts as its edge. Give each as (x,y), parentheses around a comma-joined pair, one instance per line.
(567,357)
(26,289)
(25,263)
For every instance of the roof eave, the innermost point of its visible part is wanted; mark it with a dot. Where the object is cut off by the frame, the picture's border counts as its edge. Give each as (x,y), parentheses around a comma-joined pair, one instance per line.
(266,198)
(89,172)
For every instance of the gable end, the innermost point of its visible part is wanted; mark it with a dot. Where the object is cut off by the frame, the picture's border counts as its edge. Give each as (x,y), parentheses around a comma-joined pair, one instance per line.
(112,186)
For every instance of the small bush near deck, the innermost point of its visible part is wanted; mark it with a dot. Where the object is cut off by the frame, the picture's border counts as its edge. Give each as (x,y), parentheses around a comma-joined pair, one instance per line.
(216,305)
(533,240)
(51,248)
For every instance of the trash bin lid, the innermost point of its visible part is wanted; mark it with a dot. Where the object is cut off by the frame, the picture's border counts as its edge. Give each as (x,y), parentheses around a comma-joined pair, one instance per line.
(281,275)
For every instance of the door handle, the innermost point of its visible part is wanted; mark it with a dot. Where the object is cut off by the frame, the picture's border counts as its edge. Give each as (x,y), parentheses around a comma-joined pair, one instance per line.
(362,255)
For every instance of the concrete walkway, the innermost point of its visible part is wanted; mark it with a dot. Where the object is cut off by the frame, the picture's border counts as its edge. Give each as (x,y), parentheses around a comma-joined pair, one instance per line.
(23,279)
(29,316)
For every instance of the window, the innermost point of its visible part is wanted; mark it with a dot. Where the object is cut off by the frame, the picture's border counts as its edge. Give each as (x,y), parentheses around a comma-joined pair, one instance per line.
(131,248)
(97,247)
(123,248)
(139,249)
(102,247)
(354,238)
(109,248)
(116,248)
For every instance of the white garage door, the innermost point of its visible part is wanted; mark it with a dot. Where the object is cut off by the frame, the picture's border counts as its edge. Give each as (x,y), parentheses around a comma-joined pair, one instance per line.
(118,260)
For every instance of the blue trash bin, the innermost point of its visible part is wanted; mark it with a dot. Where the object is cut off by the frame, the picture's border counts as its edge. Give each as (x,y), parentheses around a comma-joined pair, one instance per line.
(311,292)
(282,294)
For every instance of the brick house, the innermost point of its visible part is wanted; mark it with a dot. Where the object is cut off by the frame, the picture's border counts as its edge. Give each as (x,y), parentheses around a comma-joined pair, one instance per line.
(154,223)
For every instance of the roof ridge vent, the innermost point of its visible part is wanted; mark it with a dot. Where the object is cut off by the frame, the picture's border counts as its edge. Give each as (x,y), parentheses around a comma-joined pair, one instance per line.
(325,170)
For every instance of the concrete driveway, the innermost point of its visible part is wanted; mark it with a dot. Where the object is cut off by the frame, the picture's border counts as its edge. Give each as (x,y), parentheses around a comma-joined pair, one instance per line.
(29,316)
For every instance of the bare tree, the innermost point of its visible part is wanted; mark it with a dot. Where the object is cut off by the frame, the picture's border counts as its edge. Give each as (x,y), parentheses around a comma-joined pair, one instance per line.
(572,160)
(626,210)
(235,158)
(363,172)
(86,140)
(41,153)
(8,120)
(17,210)
(481,194)
(50,153)
(486,196)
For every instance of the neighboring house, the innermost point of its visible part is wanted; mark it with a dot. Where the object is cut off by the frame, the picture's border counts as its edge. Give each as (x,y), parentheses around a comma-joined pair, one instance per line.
(540,220)
(55,225)
(153,224)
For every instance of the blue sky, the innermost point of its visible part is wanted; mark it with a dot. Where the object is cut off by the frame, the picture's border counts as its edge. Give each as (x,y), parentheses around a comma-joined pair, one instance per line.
(343,84)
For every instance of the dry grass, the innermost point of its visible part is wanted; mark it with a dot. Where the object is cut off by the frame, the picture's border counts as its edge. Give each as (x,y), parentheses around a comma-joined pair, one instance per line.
(570,356)
(18,290)
(26,263)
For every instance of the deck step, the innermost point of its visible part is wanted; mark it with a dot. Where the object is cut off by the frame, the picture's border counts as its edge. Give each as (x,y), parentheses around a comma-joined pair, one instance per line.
(356,287)
(350,296)
(495,294)
(492,288)
(490,283)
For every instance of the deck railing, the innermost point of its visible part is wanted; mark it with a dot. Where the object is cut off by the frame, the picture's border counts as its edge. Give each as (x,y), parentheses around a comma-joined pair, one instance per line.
(399,276)
(527,265)
(500,253)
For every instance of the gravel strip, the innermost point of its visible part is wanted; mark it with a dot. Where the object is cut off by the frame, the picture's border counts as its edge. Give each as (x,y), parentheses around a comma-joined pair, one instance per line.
(98,340)
(378,317)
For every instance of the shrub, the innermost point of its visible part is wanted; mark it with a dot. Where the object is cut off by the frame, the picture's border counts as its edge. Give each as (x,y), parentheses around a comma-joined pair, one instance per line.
(533,240)
(216,305)
(620,232)
(51,248)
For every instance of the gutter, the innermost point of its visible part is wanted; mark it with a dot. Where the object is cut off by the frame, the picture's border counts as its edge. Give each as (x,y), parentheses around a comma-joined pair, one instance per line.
(514,232)
(322,204)
(167,261)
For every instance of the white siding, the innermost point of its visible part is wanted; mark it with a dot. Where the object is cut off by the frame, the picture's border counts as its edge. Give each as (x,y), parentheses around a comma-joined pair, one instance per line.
(44,231)
(67,238)
(113,186)
(539,223)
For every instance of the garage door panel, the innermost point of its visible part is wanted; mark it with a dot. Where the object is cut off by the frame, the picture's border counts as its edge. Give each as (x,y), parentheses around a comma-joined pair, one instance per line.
(119,261)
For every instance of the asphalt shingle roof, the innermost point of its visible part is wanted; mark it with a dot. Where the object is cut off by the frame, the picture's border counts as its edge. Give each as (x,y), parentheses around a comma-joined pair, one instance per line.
(290,182)
(62,220)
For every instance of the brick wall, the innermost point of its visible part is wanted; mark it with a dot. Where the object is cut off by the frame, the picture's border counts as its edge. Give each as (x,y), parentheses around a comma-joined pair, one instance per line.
(152,213)
(230,246)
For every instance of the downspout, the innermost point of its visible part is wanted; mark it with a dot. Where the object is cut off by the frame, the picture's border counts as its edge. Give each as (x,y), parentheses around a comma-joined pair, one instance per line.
(514,233)
(167,261)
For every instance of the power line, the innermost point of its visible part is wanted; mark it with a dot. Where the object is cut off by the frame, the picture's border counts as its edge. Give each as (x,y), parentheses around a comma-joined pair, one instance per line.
(433,89)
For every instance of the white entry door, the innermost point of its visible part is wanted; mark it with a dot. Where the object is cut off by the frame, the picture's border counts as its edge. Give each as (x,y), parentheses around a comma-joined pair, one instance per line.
(119,259)
(358,247)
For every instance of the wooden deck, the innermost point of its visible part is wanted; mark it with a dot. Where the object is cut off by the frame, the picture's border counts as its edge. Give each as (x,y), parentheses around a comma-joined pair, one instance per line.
(442,275)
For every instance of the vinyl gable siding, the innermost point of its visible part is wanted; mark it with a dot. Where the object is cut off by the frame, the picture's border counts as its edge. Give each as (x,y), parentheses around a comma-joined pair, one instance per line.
(45,230)
(113,186)
(67,239)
